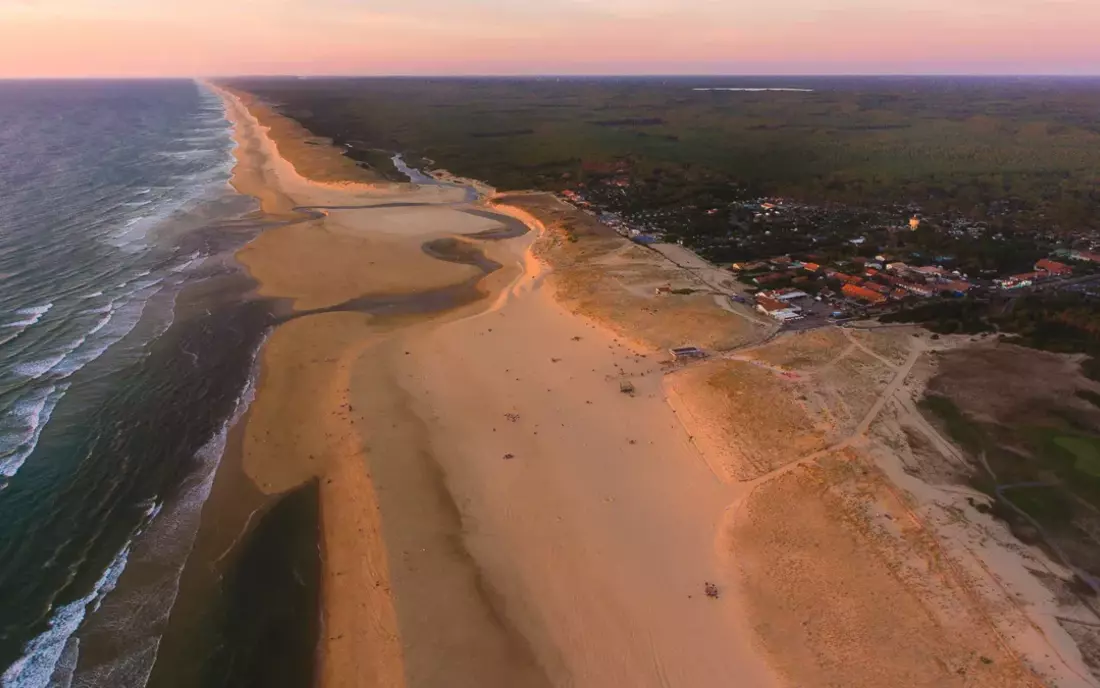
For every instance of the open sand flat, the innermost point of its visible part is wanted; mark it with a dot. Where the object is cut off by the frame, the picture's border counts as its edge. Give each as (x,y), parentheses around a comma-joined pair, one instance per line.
(287,260)
(591,516)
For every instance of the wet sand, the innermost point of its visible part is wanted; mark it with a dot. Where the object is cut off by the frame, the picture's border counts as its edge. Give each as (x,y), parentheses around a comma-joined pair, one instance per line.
(493,510)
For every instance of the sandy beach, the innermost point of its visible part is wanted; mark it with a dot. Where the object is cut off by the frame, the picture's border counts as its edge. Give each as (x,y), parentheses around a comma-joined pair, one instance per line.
(517,488)
(494,510)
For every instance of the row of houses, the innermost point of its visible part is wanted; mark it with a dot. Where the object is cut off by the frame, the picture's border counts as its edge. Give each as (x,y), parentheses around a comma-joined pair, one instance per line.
(1044,269)
(881,281)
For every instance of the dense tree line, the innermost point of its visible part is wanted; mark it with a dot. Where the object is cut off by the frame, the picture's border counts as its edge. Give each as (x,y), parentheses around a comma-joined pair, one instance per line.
(979,146)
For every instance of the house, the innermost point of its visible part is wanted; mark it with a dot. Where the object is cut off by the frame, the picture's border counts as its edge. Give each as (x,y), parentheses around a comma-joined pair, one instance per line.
(899,294)
(789,295)
(1018,281)
(956,287)
(748,267)
(874,286)
(811,267)
(897,266)
(1053,267)
(1085,255)
(918,289)
(930,270)
(776,308)
(769,278)
(862,294)
(847,279)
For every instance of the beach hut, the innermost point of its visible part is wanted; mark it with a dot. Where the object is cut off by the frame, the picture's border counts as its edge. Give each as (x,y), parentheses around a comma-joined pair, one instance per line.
(687,352)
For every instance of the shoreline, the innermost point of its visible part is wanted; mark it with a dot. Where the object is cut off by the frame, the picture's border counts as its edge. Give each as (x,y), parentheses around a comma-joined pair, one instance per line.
(347,499)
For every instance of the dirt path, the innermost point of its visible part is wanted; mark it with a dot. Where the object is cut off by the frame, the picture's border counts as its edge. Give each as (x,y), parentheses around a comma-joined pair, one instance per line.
(902,372)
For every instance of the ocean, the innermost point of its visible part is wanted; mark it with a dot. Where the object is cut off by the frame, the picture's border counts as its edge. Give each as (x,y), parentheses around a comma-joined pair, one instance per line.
(127,348)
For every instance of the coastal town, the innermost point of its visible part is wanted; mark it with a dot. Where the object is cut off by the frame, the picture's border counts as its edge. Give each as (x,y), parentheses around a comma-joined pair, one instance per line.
(836,263)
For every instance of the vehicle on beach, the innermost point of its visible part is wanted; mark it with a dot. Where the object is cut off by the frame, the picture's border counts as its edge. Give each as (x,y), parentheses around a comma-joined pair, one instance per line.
(687,352)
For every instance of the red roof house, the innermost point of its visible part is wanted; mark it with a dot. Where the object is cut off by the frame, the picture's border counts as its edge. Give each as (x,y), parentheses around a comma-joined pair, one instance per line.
(852,291)
(1053,267)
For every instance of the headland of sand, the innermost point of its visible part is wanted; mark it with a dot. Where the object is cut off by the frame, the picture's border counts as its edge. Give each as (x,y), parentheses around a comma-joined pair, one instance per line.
(517,488)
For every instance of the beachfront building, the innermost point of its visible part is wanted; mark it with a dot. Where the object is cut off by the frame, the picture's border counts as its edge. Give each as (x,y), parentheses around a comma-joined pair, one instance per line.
(777,309)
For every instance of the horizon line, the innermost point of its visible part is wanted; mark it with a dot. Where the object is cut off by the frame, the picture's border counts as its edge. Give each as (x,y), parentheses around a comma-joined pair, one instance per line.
(550,75)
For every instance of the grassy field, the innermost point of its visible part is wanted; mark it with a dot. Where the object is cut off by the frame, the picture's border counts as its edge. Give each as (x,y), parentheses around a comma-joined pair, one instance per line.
(1085,451)
(1050,470)
(973,144)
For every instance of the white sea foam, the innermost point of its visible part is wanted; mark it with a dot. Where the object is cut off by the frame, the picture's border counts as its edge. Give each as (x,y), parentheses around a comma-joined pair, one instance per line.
(189,154)
(23,425)
(36,369)
(35,313)
(86,348)
(41,655)
(123,318)
(22,323)
(195,257)
(35,310)
(168,534)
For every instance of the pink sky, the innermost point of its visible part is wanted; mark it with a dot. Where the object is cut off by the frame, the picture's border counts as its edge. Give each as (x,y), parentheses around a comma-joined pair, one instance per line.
(219,37)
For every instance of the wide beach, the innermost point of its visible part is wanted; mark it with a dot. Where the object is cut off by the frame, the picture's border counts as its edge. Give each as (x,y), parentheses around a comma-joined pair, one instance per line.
(515,487)
(494,511)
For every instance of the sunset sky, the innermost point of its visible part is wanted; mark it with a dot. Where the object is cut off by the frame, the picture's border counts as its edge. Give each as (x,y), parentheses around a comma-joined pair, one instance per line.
(220,37)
